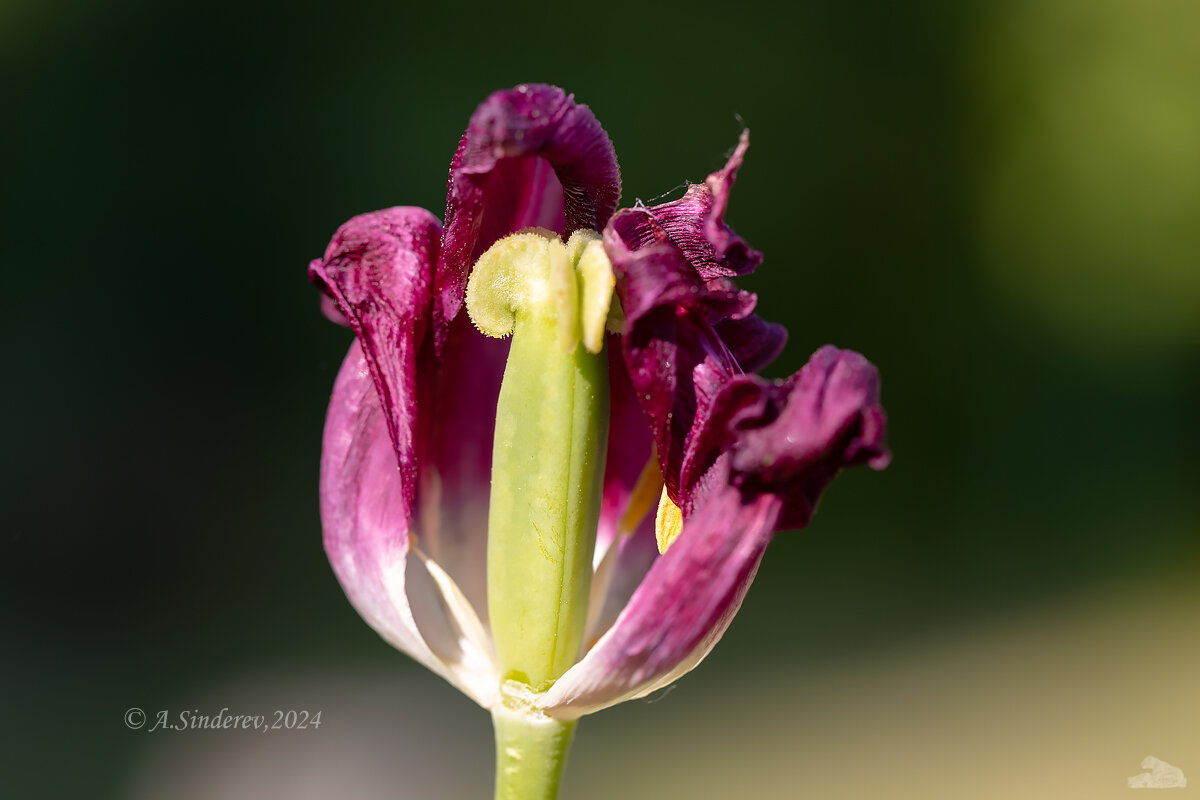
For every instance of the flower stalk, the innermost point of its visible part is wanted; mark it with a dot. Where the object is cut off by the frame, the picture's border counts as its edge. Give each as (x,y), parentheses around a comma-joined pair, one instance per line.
(531,753)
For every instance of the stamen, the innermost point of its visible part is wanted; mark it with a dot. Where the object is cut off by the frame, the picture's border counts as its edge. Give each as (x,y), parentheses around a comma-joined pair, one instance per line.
(597,284)
(668,523)
(645,494)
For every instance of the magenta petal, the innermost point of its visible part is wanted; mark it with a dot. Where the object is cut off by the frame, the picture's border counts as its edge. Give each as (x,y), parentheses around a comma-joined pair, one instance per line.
(366,515)
(530,156)
(455,428)
(680,610)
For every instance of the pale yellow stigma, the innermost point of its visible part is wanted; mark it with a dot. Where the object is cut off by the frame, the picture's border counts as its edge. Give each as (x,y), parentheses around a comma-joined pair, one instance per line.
(668,523)
(572,283)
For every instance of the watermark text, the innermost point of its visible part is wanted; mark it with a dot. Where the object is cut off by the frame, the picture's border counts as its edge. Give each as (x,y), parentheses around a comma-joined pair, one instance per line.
(223,720)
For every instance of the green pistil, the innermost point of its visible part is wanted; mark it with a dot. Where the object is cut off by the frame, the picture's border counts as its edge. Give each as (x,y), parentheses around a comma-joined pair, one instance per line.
(549,450)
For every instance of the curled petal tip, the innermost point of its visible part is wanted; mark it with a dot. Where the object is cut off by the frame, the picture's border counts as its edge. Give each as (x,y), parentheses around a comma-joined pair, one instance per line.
(730,252)
(329,306)
(695,224)
(531,156)
(793,437)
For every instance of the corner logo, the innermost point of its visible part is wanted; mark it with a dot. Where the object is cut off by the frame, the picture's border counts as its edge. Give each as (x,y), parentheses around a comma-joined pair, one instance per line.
(1159,775)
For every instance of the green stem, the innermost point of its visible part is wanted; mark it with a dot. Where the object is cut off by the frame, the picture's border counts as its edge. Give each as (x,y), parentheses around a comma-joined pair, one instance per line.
(531,753)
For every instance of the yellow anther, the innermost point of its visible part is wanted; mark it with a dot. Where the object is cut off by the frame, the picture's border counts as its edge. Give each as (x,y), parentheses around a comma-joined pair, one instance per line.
(645,493)
(596,286)
(668,523)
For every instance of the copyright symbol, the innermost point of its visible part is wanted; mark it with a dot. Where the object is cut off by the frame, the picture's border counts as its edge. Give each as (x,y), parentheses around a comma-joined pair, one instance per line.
(135,718)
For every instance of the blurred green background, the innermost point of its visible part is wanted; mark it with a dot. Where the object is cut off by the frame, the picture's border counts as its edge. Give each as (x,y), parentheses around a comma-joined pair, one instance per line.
(996,202)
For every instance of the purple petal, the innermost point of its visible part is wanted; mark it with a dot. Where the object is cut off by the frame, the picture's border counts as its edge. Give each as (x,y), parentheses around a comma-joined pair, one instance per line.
(530,156)
(796,435)
(675,358)
(689,330)
(680,610)
(752,341)
(695,223)
(378,270)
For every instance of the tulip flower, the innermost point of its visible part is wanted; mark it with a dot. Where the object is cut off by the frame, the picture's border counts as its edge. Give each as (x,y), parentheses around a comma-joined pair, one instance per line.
(549,471)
